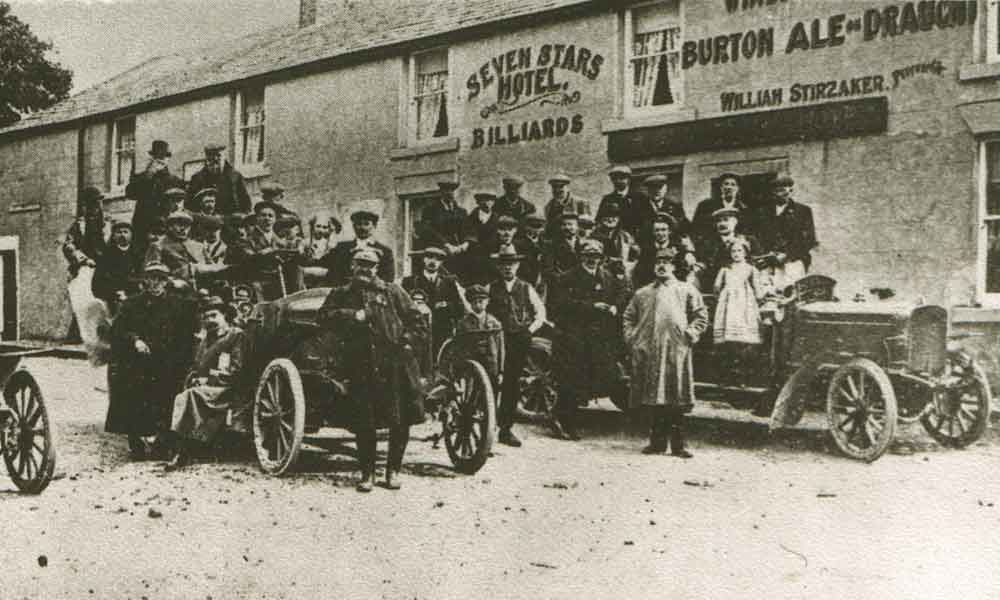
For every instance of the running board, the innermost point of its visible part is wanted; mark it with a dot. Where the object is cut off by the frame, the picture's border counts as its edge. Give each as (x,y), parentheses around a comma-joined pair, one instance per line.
(732,388)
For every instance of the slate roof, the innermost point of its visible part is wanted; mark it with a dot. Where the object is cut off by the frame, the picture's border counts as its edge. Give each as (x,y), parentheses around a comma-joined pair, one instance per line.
(357,27)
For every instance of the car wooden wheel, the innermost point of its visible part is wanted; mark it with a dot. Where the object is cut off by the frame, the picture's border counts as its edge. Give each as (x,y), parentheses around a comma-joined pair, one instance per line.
(469,427)
(27,439)
(538,388)
(960,413)
(279,416)
(861,409)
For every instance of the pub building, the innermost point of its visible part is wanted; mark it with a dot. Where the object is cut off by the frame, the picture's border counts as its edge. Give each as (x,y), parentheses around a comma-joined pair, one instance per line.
(884,113)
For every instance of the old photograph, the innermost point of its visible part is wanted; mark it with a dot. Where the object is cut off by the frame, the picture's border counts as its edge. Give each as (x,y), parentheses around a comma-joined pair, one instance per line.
(561,299)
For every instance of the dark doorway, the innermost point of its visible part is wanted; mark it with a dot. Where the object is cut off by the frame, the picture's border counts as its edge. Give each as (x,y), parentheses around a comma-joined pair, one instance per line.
(755,188)
(8,294)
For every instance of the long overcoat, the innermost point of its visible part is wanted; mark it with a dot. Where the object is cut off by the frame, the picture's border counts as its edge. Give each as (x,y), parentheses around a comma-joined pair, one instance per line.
(378,355)
(150,204)
(230,189)
(662,323)
(142,387)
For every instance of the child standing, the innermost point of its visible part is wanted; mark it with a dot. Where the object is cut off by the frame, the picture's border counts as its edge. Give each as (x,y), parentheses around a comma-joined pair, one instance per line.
(737,287)
(479,335)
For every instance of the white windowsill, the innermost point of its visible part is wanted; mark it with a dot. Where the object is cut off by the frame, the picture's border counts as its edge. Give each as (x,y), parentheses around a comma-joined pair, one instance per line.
(24,208)
(643,121)
(422,149)
(975,314)
(982,70)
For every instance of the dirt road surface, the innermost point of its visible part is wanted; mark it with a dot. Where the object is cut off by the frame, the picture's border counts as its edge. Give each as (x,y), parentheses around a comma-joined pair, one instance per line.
(750,516)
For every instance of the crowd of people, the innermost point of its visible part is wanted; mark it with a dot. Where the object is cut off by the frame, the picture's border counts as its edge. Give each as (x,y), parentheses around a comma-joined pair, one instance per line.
(626,286)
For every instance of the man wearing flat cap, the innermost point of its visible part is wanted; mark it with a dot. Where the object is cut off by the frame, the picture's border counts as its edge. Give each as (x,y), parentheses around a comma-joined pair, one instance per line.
(441,293)
(787,234)
(152,339)
(262,263)
(623,196)
(147,188)
(228,182)
(620,248)
(442,225)
(663,242)
(117,268)
(512,203)
(272,191)
(178,252)
(480,232)
(380,328)
(728,196)
(561,251)
(716,250)
(586,305)
(216,249)
(530,243)
(560,202)
(657,199)
(338,261)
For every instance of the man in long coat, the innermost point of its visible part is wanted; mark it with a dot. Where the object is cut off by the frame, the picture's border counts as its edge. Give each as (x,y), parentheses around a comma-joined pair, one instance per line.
(199,412)
(380,327)
(338,261)
(621,195)
(152,340)
(116,268)
(586,305)
(662,323)
(231,190)
(786,231)
(148,189)
(480,232)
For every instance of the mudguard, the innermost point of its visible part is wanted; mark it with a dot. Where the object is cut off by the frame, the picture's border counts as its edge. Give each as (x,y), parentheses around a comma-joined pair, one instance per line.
(791,402)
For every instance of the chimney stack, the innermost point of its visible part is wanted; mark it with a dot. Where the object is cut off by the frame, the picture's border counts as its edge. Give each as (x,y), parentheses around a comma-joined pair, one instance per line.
(307,13)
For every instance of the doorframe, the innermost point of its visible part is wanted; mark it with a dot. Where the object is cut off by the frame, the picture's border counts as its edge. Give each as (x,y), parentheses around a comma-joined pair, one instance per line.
(13,242)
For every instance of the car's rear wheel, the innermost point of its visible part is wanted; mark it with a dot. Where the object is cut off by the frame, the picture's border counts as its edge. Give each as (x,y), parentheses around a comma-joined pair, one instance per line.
(960,414)
(279,416)
(861,409)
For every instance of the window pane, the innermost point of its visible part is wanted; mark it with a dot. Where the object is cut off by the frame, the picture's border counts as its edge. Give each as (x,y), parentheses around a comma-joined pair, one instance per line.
(431,62)
(993,257)
(993,179)
(656,65)
(252,126)
(432,104)
(655,16)
(124,150)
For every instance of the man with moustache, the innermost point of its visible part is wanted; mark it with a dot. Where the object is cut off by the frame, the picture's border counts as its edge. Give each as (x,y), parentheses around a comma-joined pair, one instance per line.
(560,202)
(621,195)
(703,223)
(380,326)
(787,233)
(181,255)
(656,200)
(338,262)
(441,292)
(512,203)
(442,226)
(561,252)
(231,190)
(116,269)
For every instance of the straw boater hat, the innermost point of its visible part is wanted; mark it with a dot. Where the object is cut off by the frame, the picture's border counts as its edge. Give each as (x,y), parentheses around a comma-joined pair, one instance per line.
(507,254)
(476,291)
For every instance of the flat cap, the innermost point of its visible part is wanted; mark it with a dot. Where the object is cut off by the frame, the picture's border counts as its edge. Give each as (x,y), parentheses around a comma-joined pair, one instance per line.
(214,148)
(118,224)
(433,251)
(784,181)
(507,254)
(364,215)
(569,213)
(476,291)
(506,222)
(536,220)
(668,252)
(725,212)
(365,255)
(484,196)
(448,185)
(586,220)
(175,192)
(655,180)
(559,178)
(662,217)
(156,268)
(180,215)
(513,180)
(729,175)
(620,171)
(271,189)
(209,191)
(214,303)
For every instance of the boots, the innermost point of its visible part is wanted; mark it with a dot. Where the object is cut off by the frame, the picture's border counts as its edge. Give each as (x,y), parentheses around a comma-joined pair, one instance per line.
(677,440)
(366,460)
(394,460)
(657,437)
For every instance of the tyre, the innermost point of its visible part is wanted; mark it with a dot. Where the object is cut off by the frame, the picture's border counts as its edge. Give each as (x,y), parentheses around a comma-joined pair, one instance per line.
(861,409)
(27,440)
(279,416)
(470,425)
(960,414)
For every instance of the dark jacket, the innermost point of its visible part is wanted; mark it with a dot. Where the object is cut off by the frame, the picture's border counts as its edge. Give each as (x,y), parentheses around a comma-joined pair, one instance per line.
(642,217)
(116,272)
(442,224)
(559,258)
(379,354)
(482,238)
(338,262)
(627,205)
(516,207)
(792,232)
(531,266)
(553,212)
(444,300)
(714,254)
(703,224)
(231,190)
(178,256)
(643,272)
(150,204)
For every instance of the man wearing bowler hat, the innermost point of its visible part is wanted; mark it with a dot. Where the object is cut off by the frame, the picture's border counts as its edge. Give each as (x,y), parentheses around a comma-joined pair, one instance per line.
(521,312)
(338,261)
(621,195)
(787,234)
(117,268)
(228,182)
(512,203)
(441,293)
(586,304)
(703,223)
(380,327)
(441,226)
(560,202)
(148,189)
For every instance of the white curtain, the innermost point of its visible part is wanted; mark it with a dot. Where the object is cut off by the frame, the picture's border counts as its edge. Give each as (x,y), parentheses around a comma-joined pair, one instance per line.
(655,67)
(432,105)
(253,134)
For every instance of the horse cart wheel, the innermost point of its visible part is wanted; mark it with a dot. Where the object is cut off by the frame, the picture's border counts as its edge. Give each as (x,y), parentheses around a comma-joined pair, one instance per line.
(469,428)
(279,416)
(538,389)
(861,409)
(959,414)
(27,438)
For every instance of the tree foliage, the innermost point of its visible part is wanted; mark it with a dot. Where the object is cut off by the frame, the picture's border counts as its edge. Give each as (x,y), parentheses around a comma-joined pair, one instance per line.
(28,80)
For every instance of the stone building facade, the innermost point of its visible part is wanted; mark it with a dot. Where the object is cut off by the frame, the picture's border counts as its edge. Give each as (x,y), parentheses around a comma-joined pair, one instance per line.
(881,111)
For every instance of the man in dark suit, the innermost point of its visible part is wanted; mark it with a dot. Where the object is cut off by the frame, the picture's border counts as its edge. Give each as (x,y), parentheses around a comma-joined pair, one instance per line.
(714,252)
(703,224)
(621,195)
(148,189)
(787,233)
(664,242)
(656,200)
(338,261)
(441,226)
(231,190)
(480,233)
(561,253)
(511,203)
(561,201)
(117,268)
(441,293)
(178,252)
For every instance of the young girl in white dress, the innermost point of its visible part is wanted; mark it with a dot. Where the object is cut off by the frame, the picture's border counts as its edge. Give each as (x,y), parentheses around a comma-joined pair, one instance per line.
(738,288)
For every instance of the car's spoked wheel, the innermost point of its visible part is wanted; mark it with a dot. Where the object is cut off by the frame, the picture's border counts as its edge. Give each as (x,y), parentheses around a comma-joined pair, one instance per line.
(469,428)
(861,409)
(279,412)
(538,389)
(27,439)
(959,414)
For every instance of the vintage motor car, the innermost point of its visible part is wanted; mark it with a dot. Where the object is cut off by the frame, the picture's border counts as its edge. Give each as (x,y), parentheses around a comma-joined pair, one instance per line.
(296,387)
(25,431)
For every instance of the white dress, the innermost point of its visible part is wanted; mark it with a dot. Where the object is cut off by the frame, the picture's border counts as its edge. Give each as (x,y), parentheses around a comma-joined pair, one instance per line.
(737,317)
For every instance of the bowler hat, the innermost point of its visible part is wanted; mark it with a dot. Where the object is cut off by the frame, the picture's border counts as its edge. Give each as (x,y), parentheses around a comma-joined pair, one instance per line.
(448,185)
(264,204)
(655,180)
(180,215)
(476,291)
(591,248)
(620,171)
(560,178)
(364,215)
(662,217)
(156,268)
(513,180)
(784,181)
(725,212)
(271,189)
(160,149)
(366,255)
(91,194)
(507,254)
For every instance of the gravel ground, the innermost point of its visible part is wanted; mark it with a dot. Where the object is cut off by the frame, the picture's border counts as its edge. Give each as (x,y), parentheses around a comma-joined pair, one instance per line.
(751,515)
